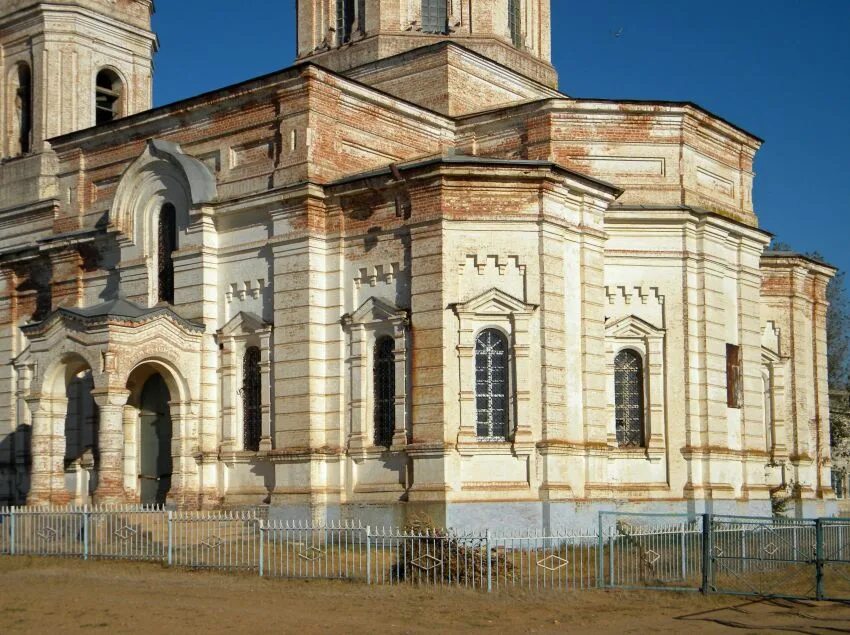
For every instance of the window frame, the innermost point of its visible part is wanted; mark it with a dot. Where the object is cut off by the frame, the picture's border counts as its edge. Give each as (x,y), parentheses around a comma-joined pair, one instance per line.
(166,245)
(383,391)
(647,341)
(252,413)
(374,320)
(734,377)
(515,22)
(641,377)
(439,23)
(346,18)
(508,391)
(115,92)
(20,122)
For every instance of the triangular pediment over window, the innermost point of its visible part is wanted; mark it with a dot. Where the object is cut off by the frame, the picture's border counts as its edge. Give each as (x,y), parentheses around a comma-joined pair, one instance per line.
(244,323)
(632,326)
(494,302)
(375,310)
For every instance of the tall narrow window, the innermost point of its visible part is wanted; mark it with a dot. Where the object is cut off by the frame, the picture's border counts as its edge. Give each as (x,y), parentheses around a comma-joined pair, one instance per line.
(435,16)
(384,380)
(251,399)
(628,399)
(344,20)
(21,110)
(515,21)
(166,245)
(491,385)
(108,96)
(734,388)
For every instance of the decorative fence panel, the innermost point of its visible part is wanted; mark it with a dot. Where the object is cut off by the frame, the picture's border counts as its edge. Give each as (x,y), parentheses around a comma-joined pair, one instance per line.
(764,556)
(228,540)
(773,557)
(303,550)
(651,551)
(836,556)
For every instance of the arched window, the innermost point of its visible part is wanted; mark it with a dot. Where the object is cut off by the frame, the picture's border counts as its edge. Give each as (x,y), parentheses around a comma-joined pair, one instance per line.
(491,384)
(21,110)
(628,399)
(251,399)
(166,245)
(435,16)
(344,20)
(383,374)
(108,94)
(515,21)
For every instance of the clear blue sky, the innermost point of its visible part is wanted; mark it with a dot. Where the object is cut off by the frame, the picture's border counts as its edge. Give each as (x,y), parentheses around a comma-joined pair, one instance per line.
(779,68)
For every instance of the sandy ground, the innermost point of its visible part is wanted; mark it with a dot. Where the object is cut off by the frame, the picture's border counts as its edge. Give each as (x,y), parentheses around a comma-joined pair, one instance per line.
(70,596)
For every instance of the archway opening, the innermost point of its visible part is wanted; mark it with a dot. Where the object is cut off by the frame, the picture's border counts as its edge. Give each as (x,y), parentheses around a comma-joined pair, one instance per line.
(81,429)
(155,433)
(108,96)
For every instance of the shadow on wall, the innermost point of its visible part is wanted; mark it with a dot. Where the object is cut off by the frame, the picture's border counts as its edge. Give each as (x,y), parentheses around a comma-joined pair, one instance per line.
(15,463)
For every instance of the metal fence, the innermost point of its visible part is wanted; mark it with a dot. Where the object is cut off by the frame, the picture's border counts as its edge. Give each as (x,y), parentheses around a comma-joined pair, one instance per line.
(751,556)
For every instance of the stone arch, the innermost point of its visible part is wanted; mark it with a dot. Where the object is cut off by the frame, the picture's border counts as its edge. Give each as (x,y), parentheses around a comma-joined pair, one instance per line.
(63,410)
(52,382)
(140,372)
(162,174)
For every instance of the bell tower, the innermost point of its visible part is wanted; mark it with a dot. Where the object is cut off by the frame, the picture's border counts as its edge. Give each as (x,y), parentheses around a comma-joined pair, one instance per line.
(66,65)
(346,34)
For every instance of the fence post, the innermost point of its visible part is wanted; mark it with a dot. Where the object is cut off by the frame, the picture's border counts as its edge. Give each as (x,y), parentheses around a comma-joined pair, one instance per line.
(819,559)
(262,548)
(684,556)
(600,555)
(706,553)
(85,532)
(368,554)
(12,548)
(489,563)
(170,537)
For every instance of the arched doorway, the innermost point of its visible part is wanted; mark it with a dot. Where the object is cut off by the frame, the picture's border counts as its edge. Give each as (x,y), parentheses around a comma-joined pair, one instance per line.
(155,466)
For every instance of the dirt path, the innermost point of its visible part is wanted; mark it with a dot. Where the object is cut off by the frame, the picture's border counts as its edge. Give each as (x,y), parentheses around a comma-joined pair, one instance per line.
(69,596)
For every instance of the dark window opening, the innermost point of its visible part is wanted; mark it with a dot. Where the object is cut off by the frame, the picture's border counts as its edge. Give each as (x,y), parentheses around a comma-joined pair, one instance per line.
(251,399)
(107,97)
(491,385)
(628,399)
(384,389)
(344,20)
(23,110)
(435,16)
(515,22)
(167,245)
(734,384)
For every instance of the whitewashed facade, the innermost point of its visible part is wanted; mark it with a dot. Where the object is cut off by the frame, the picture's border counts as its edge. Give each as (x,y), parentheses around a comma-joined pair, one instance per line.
(405,274)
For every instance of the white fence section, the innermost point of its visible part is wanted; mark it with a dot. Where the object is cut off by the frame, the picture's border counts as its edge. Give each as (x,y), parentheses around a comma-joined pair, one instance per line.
(753,556)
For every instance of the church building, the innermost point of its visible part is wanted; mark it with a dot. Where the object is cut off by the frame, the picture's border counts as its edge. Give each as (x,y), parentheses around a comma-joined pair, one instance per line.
(405,274)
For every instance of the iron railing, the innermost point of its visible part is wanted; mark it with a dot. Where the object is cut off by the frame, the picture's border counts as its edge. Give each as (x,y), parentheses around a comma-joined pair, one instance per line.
(775,557)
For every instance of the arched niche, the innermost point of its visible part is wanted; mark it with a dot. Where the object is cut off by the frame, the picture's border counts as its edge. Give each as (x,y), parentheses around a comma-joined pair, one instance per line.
(162,174)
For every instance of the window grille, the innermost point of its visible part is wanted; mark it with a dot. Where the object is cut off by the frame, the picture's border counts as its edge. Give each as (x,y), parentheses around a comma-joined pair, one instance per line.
(435,16)
(107,96)
(734,387)
(251,399)
(344,20)
(628,399)
(167,244)
(384,387)
(515,22)
(491,385)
